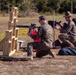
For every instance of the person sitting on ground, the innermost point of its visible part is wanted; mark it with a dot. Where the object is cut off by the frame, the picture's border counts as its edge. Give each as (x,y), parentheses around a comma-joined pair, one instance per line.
(67,51)
(45,32)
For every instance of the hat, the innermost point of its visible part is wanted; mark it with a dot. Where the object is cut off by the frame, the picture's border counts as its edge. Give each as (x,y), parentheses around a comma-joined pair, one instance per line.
(41,18)
(67,14)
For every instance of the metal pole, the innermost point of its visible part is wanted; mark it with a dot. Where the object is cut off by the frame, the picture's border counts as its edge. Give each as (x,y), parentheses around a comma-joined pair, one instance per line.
(71,6)
(53,25)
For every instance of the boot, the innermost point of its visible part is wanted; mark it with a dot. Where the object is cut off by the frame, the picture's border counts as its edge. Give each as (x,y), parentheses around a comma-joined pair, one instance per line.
(30,57)
(52,54)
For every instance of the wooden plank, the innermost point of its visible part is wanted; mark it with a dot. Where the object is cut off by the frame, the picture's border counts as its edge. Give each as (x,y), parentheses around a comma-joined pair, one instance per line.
(13,43)
(7,43)
(12,52)
(8,35)
(6,48)
(15,11)
(15,17)
(16,34)
(11,16)
(10,42)
(1,44)
(14,27)
(16,45)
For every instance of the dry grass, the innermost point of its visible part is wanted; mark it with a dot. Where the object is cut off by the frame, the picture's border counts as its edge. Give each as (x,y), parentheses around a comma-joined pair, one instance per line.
(61,65)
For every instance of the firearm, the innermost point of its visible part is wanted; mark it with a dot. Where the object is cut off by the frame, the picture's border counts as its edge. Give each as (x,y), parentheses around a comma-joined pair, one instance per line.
(53,22)
(32,26)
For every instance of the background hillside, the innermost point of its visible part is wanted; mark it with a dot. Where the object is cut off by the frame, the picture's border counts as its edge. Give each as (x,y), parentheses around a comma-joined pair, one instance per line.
(39,6)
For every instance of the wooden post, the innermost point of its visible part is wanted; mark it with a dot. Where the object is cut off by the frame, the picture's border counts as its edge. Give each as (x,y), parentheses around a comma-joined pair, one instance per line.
(7,43)
(16,38)
(16,35)
(16,45)
(10,23)
(10,43)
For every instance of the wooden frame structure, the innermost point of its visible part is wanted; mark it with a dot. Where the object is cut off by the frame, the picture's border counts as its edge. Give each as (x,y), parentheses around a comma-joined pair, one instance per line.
(9,43)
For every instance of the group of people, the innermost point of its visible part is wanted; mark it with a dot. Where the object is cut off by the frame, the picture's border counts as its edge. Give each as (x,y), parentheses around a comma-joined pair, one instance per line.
(43,38)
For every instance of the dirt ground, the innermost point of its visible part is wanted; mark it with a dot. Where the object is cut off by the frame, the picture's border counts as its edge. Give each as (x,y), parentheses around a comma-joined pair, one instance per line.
(18,64)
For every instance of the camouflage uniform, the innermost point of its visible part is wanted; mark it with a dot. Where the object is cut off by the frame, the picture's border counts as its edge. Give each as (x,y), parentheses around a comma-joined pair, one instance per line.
(69,31)
(45,32)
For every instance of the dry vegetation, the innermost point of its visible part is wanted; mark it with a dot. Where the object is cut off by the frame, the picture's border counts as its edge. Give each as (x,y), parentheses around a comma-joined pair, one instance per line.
(61,65)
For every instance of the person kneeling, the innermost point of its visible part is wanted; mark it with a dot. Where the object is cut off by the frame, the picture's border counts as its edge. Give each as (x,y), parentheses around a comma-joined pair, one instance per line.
(42,40)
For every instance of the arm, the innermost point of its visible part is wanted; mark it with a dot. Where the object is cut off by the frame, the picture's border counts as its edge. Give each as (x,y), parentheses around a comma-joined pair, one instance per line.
(66,28)
(68,43)
(39,33)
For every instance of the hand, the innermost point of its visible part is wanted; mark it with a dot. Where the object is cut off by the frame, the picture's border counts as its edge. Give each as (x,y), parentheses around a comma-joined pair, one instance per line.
(57,27)
(36,29)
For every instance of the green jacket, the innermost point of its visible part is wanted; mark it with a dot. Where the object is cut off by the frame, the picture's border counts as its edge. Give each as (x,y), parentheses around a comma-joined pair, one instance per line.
(46,34)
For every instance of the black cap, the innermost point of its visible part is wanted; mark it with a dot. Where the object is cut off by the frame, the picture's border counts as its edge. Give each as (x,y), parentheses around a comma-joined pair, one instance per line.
(41,18)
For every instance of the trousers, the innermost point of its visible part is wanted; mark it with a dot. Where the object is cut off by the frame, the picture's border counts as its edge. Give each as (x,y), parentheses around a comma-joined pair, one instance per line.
(67,51)
(42,49)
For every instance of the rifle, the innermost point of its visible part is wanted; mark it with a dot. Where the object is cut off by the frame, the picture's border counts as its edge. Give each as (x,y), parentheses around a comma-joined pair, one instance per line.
(53,23)
(27,26)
